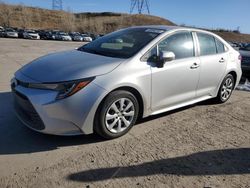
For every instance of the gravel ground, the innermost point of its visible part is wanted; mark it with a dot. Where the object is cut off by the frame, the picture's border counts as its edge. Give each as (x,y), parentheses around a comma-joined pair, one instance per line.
(205,145)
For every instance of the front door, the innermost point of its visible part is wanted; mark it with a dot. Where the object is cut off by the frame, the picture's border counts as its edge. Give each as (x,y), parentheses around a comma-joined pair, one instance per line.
(176,81)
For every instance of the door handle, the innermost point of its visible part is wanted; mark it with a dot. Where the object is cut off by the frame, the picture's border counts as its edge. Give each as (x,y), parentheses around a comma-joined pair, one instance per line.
(194,66)
(222,60)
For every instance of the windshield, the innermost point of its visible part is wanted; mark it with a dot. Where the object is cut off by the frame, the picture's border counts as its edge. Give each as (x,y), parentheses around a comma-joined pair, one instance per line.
(247,47)
(10,30)
(123,43)
(62,33)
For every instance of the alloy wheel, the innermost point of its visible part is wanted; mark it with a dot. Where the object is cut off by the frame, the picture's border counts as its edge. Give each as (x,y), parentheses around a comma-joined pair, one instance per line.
(227,89)
(119,115)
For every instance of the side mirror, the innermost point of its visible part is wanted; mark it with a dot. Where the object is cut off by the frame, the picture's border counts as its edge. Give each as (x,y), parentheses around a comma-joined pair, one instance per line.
(165,56)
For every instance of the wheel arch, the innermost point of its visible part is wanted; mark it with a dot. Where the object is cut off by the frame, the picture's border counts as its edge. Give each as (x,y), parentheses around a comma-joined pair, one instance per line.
(132,90)
(234,74)
(137,95)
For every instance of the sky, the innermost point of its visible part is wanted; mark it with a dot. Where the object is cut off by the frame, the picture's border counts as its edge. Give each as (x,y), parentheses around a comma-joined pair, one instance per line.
(212,14)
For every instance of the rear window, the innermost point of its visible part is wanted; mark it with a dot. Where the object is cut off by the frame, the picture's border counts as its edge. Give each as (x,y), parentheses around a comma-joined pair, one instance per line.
(220,46)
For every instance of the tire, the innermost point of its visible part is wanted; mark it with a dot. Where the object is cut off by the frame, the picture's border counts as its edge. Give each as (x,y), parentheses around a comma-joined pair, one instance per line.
(226,89)
(112,120)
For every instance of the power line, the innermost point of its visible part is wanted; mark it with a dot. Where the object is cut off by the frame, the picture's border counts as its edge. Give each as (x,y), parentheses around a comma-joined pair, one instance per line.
(141,5)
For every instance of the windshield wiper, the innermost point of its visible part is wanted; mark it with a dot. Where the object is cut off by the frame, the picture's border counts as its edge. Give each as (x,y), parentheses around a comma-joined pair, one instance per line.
(90,51)
(108,54)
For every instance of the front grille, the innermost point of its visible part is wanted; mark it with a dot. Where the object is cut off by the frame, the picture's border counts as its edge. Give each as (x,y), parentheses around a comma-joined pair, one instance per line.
(245,60)
(27,112)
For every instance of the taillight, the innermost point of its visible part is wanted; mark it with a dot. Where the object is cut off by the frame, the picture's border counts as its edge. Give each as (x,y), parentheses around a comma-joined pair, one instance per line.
(240,58)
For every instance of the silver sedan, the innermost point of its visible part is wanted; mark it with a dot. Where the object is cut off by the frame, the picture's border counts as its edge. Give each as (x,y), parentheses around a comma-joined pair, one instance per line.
(106,85)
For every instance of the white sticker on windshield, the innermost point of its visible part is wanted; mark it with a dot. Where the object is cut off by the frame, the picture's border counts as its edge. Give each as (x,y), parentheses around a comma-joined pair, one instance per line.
(154,31)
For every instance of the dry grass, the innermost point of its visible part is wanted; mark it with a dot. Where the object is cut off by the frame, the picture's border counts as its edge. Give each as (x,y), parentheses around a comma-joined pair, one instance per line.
(37,18)
(107,22)
(234,37)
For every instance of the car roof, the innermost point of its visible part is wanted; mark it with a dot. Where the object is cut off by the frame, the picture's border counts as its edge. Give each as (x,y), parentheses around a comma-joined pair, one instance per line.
(169,28)
(161,27)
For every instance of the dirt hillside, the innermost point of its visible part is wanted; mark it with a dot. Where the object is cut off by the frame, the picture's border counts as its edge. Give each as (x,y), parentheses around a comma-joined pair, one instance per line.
(36,18)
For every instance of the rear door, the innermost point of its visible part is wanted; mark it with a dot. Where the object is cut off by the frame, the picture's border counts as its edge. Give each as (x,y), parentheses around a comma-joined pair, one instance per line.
(213,58)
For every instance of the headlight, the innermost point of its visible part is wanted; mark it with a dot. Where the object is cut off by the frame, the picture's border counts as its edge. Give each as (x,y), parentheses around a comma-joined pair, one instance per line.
(64,89)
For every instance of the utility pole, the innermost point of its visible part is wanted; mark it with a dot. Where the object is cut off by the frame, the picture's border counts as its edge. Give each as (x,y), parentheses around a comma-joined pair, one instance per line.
(140,5)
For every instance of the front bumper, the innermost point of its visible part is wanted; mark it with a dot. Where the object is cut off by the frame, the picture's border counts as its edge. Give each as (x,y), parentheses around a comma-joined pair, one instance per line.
(74,115)
(12,36)
(26,112)
(78,39)
(32,37)
(246,72)
(66,39)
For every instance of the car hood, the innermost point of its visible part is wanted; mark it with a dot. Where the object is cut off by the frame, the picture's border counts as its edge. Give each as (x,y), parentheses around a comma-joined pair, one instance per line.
(245,53)
(67,66)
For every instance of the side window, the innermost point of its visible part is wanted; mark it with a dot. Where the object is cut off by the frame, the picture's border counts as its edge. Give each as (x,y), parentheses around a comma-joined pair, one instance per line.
(181,44)
(220,46)
(207,44)
(151,56)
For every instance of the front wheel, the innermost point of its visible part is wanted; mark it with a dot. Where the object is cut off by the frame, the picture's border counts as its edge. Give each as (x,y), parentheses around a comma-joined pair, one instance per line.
(116,114)
(226,89)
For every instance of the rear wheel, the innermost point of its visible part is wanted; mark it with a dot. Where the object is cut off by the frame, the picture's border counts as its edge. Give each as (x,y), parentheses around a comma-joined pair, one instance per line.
(226,89)
(116,114)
